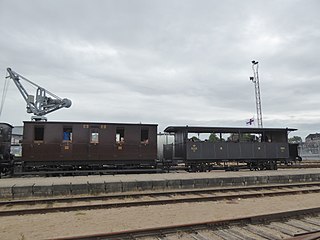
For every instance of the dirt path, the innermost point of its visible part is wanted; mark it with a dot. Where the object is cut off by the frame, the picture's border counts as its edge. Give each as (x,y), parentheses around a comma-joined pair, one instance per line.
(99,221)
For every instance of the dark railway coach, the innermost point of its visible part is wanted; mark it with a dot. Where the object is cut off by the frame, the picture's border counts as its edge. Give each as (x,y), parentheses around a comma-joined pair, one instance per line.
(5,145)
(75,145)
(258,148)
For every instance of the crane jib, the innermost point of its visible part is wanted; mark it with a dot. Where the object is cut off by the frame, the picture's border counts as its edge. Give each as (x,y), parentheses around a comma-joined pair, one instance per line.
(43,102)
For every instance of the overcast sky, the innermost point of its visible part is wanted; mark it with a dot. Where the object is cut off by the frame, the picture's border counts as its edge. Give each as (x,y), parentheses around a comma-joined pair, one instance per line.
(166,62)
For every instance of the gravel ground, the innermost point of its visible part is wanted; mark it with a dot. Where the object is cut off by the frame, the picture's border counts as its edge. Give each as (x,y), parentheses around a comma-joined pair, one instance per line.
(52,225)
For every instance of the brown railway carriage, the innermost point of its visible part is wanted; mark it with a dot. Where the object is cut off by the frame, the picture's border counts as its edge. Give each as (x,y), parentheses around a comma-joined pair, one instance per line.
(89,144)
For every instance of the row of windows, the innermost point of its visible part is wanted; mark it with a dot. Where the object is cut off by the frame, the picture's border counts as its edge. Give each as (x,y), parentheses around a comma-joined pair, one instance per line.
(94,135)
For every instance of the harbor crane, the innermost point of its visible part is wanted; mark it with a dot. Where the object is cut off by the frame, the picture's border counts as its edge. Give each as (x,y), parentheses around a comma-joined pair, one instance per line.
(43,102)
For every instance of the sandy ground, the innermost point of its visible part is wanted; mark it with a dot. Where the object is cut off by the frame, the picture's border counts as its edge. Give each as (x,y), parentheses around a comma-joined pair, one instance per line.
(53,225)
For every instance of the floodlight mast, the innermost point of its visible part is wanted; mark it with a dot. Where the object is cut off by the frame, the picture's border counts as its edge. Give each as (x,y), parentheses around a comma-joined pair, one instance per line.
(255,80)
(43,102)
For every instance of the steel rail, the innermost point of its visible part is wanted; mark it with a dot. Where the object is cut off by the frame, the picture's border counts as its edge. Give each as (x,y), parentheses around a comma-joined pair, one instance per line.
(152,202)
(151,170)
(156,231)
(299,166)
(306,236)
(156,194)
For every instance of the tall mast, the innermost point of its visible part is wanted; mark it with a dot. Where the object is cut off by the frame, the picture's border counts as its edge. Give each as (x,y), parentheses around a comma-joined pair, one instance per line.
(255,80)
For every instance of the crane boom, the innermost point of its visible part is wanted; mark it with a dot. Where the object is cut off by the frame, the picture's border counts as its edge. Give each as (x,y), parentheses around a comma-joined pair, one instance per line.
(43,102)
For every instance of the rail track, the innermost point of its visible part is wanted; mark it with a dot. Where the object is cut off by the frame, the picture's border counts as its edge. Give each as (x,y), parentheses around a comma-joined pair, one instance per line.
(47,205)
(301,165)
(294,225)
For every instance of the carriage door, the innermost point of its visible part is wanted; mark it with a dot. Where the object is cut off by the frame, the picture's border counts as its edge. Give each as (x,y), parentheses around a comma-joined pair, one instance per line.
(38,152)
(66,146)
(94,143)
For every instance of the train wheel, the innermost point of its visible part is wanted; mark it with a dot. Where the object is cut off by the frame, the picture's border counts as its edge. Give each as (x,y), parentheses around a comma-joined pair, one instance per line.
(274,165)
(192,168)
(271,165)
(203,167)
(250,166)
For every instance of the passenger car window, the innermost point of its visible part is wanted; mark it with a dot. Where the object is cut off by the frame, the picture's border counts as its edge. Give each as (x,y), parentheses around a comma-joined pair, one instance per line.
(120,135)
(67,134)
(38,133)
(144,136)
(94,136)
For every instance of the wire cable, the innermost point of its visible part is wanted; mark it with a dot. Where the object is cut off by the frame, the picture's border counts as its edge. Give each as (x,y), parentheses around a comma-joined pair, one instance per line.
(4,94)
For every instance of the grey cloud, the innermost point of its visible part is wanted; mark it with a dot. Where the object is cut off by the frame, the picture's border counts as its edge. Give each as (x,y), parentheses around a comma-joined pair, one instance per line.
(168,62)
